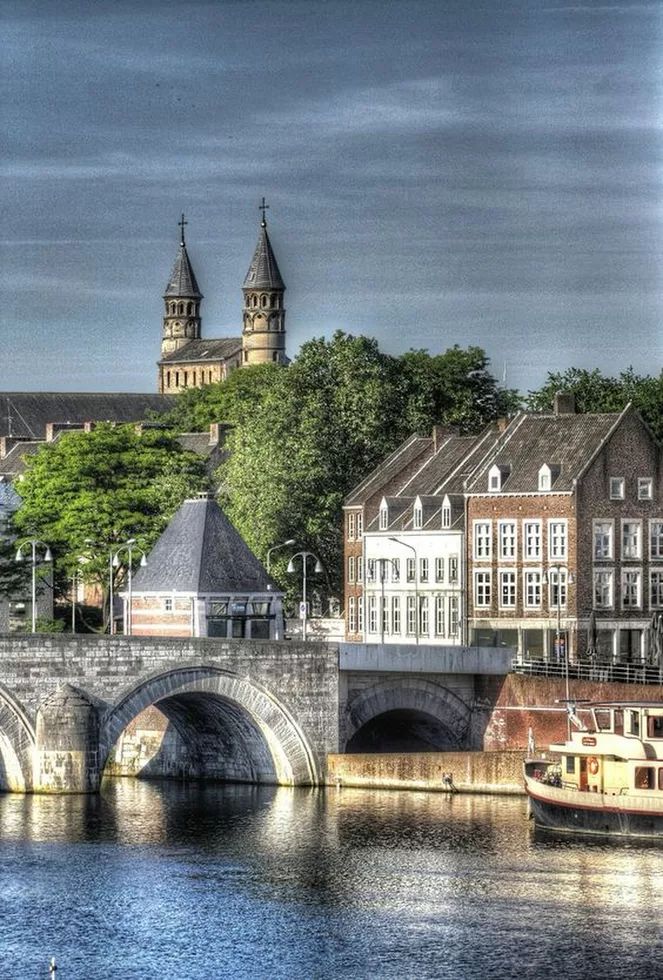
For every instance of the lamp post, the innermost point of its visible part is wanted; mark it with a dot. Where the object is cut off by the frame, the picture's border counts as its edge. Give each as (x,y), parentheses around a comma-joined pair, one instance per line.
(274,547)
(416,587)
(128,546)
(34,544)
(558,569)
(305,555)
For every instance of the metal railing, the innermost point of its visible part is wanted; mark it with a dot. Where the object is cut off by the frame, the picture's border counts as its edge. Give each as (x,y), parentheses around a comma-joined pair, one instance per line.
(623,673)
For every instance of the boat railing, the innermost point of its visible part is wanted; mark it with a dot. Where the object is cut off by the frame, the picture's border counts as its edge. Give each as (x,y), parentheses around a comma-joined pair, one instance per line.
(625,673)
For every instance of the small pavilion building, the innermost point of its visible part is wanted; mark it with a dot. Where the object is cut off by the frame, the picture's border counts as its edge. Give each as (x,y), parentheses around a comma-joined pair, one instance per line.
(202,579)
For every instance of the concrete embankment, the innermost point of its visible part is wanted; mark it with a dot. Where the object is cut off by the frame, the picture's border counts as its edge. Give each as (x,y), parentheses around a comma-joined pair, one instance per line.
(470,772)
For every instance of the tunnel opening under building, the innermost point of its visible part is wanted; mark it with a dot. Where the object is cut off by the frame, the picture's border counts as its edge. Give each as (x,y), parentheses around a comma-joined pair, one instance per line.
(402,730)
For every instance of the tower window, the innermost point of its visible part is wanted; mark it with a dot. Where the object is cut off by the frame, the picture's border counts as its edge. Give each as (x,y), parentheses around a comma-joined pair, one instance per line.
(180,309)
(263,300)
(168,379)
(177,379)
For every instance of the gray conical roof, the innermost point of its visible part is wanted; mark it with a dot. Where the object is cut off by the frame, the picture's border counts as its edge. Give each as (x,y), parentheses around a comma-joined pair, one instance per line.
(263,272)
(200,552)
(182,280)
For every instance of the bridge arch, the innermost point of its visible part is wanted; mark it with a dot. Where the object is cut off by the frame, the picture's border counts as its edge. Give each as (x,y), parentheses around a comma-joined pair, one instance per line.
(408,700)
(17,742)
(225,715)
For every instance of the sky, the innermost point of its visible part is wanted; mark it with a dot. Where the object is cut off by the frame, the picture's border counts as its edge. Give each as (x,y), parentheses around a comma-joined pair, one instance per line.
(437,173)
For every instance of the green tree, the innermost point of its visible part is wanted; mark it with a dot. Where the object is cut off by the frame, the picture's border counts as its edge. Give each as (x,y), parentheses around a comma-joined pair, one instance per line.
(88,492)
(229,401)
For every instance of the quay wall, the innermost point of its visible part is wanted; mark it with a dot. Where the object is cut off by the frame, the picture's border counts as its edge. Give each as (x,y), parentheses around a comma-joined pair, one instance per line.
(470,772)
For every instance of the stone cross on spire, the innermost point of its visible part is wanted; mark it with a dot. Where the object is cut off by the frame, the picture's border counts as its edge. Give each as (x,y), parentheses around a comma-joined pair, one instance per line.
(263,207)
(181,225)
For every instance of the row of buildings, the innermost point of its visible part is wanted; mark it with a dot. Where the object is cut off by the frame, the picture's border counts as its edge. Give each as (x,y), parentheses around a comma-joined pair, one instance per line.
(544,534)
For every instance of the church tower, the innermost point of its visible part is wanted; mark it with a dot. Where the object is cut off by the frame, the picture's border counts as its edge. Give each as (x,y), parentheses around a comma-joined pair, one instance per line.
(263,332)
(181,321)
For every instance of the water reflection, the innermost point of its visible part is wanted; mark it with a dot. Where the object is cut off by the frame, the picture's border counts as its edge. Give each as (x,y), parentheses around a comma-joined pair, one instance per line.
(232,881)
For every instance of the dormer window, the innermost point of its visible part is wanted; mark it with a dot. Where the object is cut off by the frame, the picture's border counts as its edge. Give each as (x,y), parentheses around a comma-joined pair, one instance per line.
(418,516)
(446,513)
(384,517)
(547,476)
(497,476)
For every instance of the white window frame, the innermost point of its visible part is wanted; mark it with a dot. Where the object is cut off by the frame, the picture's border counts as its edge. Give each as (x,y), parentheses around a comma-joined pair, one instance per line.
(439,615)
(454,615)
(608,523)
(360,614)
(396,615)
(558,586)
(424,621)
(485,537)
(607,576)
(494,479)
(509,573)
(352,526)
(418,517)
(360,524)
(352,564)
(352,614)
(439,569)
(637,524)
(645,488)
(617,487)
(532,585)
(360,569)
(370,569)
(656,601)
(384,519)
(631,576)
(453,570)
(446,515)
(423,569)
(483,585)
(411,616)
(553,554)
(169,604)
(507,543)
(534,553)
(656,541)
(372,614)
(395,569)
(410,569)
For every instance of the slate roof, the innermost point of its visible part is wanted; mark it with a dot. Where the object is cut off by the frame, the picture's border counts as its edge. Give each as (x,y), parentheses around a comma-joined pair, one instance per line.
(201,553)
(263,272)
(204,350)
(415,447)
(31,411)
(568,441)
(13,462)
(182,280)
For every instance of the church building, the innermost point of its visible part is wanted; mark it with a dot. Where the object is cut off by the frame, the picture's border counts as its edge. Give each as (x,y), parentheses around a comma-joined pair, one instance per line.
(189,360)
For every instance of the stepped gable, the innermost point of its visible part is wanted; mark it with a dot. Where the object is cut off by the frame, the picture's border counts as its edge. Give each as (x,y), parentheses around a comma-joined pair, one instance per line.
(25,414)
(201,553)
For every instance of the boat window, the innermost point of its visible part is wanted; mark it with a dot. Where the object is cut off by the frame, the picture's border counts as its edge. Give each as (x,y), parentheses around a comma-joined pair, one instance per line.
(602,720)
(660,778)
(655,726)
(644,777)
(571,763)
(619,722)
(635,722)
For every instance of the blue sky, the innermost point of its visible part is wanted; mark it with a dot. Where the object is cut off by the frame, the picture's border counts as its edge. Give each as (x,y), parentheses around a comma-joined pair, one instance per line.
(448,172)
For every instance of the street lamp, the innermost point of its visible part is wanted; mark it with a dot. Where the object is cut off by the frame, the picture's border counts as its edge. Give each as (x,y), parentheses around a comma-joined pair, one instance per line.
(274,547)
(304,555)
(128,546)
(416,586)
(558,569)
(34,543)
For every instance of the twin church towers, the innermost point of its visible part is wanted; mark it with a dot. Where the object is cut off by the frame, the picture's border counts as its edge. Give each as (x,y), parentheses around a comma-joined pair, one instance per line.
(189,360)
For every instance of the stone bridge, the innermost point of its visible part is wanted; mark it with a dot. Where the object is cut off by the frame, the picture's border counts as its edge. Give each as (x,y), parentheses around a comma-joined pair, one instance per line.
(238,710)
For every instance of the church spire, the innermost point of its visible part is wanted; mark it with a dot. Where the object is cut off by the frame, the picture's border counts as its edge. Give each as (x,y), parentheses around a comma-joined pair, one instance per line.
(263,335)
(181,321)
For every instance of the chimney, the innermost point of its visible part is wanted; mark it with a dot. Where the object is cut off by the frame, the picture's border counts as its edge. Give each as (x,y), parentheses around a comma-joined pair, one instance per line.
(440,433)
(502,424)
(564,403)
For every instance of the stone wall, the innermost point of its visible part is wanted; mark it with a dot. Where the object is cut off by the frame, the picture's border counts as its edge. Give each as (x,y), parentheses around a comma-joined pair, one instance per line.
(470,772)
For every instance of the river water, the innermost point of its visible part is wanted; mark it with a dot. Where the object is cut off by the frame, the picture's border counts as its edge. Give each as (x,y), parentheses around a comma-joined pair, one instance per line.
(162,880)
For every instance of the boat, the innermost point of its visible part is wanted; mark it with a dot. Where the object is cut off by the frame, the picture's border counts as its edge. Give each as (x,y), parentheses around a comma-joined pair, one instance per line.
(607,778)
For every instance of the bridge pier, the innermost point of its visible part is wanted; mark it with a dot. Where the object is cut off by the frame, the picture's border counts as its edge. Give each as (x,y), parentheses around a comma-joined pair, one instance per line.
(66,753)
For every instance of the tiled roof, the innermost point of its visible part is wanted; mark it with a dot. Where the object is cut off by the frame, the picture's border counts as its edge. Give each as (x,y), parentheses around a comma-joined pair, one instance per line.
(204,350)
(13,463)
(400,461)
(568,441)
(31,411)
(263,272)
(200,552)
(182,280)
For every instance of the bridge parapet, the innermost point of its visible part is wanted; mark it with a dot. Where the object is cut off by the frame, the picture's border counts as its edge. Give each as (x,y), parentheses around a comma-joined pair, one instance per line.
(423,659)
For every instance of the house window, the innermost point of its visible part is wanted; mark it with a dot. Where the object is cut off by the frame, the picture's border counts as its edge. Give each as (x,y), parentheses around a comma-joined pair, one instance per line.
(656,590)
(507,590)
(631,540)
(446,516)
(168,604)
(631,588)
(439,615)
(384,518)
(656,539)
(370,570)
(396,614)
(544,478)
(482,542)
(352,527)
(645,488)
(360,525)
(423,616)
(603,588)
(411,616)
(410,569)
(372,614)
(384,614)
(454,617)
(557,594)
(557,539)
(352,614)
(439,569)
(453,570)
(360,569)
(603,540)
(482,582)
(533,590)
(616,487)
(532,539)
(360,615)
(396,569)
(418,517)
(351,569)
(423,569)
(507,534)
(496,477)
